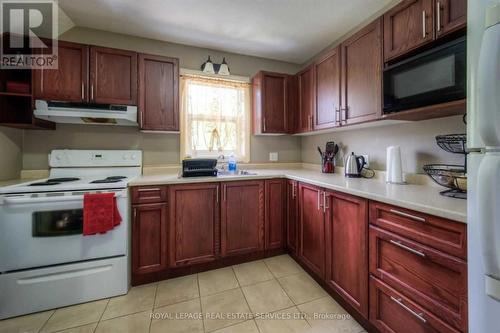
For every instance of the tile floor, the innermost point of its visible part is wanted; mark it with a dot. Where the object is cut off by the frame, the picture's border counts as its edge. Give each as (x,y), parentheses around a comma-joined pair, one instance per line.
(271,295)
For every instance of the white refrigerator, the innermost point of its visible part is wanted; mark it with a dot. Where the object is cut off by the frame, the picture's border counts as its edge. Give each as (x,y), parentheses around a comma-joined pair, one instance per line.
(483,136)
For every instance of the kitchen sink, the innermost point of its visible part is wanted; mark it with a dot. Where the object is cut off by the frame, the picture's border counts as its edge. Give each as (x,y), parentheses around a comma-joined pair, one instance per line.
(225,173)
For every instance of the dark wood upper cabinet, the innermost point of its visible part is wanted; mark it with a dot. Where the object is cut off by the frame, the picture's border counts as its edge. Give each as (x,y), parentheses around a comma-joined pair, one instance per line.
(347,248)
(292,215)
(312,228)
(451,15)
(306,100)
(69,82)
(327,83)
(362,75)
(149,238)
(270,103)
(158,93)
(275,213)
(193,223)
(407,26)
(113,76)
(242,217)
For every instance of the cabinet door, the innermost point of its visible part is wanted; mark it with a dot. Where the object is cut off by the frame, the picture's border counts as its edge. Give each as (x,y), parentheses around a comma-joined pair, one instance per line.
(69,81)
(347,249)
(362,75)
(194,223)
(408,26)
(312,228)
(113,76)
(306,100)
(292,214)
(149,238)
(292,103)
(158,93)
(270,103)
(275,213)
(242,222)
(327,82)
(451,15)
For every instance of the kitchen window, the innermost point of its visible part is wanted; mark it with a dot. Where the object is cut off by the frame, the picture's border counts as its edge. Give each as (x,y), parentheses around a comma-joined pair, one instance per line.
(215,117)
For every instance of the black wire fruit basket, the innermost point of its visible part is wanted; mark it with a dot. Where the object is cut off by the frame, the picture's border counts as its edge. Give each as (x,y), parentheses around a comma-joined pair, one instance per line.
(454,177)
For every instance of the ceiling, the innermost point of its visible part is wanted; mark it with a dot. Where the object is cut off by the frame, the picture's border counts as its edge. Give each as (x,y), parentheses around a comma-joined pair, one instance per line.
(286,30)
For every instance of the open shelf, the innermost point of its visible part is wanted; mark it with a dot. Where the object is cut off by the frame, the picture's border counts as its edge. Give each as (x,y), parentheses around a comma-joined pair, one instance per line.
(429,112)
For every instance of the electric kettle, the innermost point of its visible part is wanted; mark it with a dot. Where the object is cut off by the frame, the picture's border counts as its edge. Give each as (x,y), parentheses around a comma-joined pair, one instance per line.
(354,165)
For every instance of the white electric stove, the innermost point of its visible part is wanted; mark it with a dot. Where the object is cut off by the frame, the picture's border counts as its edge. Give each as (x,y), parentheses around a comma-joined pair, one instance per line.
(45,261)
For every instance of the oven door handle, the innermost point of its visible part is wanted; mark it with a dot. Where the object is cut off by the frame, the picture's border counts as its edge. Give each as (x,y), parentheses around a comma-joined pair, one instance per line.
(62,198)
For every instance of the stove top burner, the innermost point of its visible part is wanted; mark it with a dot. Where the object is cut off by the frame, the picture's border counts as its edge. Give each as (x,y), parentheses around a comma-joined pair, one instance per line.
(46,183)
(111,179)
(62,180)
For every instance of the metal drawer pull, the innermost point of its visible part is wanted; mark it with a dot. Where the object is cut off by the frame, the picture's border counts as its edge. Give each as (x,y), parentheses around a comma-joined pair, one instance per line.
(148,189)
(420,316)
(413,217)
(407,248)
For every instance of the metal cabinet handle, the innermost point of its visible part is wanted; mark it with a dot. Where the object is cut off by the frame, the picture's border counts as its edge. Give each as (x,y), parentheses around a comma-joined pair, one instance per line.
(92,92)
(294,189)
(438,10)
(424,32)
(413,217)
(224,192)
(319,205)
(420,316)
(407,248)
(83,91)
(264,123)
(135,214)
(325,207)
(337,114)
(345,114)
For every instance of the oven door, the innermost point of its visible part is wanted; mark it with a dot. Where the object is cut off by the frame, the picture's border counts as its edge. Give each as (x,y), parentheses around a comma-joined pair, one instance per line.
(38,230)
(433,77)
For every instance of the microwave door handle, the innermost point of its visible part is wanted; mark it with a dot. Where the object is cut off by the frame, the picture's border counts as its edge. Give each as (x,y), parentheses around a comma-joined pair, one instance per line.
(64,198)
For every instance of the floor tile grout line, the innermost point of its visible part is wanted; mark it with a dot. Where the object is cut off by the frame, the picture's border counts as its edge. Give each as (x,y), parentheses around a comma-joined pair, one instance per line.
(199,301)
(153,309)
(45,323)
(102,314)
(296,305)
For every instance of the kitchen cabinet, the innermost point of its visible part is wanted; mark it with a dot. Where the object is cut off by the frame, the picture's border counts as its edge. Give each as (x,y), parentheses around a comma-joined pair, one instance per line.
(274,213)
(362,75)
(408,26)
(242,217)
(347,248)
(69,82)
(451,15)
(149,238)
(305,81)
(158,93)
(292,215)
(193,223)
(113,76)
(312,228)
(327,82)
(270,103)
(392,312)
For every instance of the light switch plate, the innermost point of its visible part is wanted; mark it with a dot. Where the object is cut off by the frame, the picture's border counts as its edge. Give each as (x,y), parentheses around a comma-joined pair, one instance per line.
(273,157)
(367,160)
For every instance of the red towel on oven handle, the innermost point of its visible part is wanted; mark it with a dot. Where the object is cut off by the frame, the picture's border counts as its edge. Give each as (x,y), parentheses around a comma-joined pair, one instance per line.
(100,213)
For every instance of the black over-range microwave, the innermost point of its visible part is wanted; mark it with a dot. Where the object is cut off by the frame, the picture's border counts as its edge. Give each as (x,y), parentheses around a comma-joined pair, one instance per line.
(431,77)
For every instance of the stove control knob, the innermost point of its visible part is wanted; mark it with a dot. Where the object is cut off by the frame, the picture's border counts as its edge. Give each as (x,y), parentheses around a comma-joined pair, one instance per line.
(58,157)
(125,157)
(133,157)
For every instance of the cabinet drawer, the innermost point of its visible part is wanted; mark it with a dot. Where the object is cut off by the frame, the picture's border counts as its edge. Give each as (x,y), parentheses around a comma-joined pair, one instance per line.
(392,312)
(442,234)
(149,194)
(433,279)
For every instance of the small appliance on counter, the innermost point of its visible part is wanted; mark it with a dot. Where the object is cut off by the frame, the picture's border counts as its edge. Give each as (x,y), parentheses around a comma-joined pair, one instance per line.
(328,157)
(354,166)
(451,176)
(199,167)
(394,173)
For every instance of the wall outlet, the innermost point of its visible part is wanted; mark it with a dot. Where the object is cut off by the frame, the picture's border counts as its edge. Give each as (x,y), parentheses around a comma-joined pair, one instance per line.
(273,157)
(367,160)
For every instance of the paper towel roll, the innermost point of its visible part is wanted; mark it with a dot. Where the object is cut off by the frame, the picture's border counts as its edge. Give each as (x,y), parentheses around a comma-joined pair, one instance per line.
(394,172)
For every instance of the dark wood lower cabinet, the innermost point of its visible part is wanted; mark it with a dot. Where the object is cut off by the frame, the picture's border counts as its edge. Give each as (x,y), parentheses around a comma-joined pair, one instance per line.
(292,214)
(193,223)
(149,238)
(242,217)
(312,228)
(275,213)
(347,248)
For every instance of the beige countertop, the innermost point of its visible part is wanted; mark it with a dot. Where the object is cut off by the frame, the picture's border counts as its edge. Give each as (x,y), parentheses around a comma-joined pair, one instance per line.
(422,198)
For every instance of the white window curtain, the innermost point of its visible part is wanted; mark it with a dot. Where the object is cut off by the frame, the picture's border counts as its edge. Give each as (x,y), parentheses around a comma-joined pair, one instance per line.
(215,117)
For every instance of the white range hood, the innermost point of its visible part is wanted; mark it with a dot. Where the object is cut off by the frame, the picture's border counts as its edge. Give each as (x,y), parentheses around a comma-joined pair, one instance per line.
(80,113)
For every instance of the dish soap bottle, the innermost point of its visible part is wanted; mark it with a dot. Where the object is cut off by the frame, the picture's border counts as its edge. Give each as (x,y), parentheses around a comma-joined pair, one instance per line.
(231,167)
